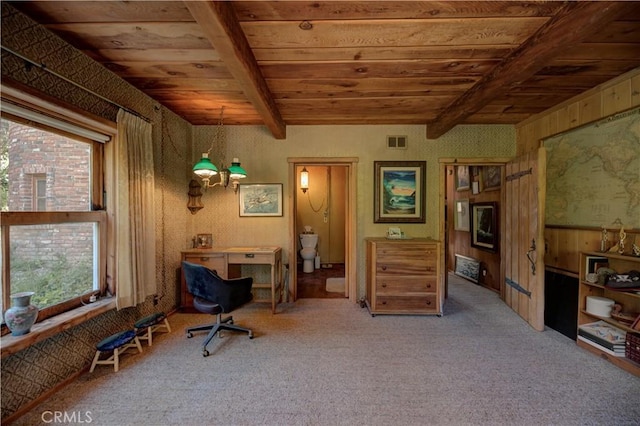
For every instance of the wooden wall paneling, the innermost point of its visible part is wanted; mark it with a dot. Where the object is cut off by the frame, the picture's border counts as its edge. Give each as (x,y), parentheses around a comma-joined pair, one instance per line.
(635,90)
(616,98)
(590,108)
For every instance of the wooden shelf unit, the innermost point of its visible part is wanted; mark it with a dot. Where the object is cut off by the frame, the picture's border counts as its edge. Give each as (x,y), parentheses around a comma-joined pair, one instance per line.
(630,302)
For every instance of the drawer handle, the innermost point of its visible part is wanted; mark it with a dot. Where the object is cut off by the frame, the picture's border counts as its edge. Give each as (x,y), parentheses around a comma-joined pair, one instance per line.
(250,255)
(428,302)
(204,259)
(384,303)
(384,285)
(384,268)
(428,285)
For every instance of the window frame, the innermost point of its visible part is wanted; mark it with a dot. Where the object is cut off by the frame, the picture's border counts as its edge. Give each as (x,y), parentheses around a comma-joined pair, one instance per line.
(23,96)
(36,178)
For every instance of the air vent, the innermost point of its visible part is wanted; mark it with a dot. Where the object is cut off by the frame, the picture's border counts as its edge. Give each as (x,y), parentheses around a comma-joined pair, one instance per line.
(397,142)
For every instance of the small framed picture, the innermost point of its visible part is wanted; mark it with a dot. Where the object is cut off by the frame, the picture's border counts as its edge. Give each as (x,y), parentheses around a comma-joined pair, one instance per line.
(462,178)
(261,200)
(204,241)
(461,215)
(475,187)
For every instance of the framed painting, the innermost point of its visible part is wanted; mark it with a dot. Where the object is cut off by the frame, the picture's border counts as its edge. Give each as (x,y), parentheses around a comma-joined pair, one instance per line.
(461,215)
(399,191)
(462,178)
(467,267)
(261,199)
(484,226)
(491,177)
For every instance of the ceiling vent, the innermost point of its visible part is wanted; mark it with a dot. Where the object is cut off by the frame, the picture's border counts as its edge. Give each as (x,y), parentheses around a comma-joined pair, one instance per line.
(397,142)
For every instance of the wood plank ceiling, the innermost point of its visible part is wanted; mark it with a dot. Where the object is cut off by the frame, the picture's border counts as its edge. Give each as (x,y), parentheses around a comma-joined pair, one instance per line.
(440,63)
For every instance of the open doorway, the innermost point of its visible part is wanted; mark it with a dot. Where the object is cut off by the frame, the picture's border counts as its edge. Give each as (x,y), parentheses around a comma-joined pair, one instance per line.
(323,218)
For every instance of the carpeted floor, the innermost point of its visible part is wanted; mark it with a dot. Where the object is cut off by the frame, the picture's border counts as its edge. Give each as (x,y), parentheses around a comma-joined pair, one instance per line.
(328,362)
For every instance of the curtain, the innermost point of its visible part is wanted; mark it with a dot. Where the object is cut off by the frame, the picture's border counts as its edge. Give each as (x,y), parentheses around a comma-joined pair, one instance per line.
(135,262)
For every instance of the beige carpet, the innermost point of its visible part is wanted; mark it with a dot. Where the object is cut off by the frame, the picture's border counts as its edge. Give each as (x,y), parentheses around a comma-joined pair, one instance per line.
(335,285)
(328,362)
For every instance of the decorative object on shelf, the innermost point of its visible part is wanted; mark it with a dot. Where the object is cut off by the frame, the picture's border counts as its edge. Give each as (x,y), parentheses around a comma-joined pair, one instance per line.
(626,318)
(635,249)
(624,282)
(604,240)
(600,306)
(261,199)
(304,180)
(22,314)
(195,194)
(623,237)
(205,169)
(484,226)
(400,189)
(204,241)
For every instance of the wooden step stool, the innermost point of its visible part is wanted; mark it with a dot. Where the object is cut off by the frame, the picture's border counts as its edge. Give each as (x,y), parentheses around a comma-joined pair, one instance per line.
(146,326)
(117,343)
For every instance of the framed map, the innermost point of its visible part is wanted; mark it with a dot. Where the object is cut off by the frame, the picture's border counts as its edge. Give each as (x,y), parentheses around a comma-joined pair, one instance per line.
(593,173)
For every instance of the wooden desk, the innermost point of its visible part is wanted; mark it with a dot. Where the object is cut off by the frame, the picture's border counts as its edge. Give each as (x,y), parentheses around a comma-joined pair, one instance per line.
(227,261)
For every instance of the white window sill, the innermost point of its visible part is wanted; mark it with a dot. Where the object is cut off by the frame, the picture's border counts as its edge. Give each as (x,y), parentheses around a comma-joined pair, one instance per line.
(54,325)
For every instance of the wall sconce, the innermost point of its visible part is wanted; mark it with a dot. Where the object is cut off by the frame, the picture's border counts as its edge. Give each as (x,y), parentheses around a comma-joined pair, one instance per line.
(194,204)
(205,169)
(304,180)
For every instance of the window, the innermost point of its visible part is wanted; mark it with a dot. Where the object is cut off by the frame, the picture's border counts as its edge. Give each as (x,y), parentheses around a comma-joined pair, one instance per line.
(53,223)
(39,189)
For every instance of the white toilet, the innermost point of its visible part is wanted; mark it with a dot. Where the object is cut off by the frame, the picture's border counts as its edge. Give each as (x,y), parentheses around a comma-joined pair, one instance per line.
(308,252)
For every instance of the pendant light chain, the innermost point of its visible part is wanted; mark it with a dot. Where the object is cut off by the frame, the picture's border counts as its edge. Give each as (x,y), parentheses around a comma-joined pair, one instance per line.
(311,205)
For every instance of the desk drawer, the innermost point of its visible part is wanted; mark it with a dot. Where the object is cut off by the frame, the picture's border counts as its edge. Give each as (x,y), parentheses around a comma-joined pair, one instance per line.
(249,258)
(212,261)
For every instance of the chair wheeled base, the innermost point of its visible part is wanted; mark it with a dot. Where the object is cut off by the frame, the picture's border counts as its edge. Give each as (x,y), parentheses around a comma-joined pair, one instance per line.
(217,328)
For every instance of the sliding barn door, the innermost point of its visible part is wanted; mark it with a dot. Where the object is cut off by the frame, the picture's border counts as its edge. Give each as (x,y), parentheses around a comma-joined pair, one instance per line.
(523,239)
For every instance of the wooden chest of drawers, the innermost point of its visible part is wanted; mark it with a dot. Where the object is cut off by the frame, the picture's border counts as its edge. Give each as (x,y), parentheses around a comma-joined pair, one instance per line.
(403,276)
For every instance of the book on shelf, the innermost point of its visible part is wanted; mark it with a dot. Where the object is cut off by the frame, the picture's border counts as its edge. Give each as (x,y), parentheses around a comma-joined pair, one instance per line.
(602,348)
(604,331)
(615,348)
(602,342)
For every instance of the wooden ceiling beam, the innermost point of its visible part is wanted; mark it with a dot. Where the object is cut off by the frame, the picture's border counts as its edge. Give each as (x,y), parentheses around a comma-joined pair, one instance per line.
(221,27)
(573,23)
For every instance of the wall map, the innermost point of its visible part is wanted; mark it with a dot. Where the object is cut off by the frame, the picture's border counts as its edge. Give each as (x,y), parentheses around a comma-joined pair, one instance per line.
(593,173)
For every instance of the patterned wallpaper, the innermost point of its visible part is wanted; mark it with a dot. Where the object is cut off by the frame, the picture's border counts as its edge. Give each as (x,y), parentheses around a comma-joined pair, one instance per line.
(33,371)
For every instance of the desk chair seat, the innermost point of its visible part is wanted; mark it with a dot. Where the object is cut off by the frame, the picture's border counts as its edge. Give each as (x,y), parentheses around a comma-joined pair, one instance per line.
(214,295)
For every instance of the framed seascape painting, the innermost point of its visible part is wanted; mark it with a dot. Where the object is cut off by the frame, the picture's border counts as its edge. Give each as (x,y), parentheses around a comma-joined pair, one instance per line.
(261,199)
(399,191)
(484,226)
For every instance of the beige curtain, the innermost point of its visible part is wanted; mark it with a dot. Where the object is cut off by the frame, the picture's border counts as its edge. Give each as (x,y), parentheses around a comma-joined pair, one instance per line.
(135,262)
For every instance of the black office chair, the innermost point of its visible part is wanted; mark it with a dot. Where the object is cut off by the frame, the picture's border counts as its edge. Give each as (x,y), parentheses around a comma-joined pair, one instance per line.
(214,295)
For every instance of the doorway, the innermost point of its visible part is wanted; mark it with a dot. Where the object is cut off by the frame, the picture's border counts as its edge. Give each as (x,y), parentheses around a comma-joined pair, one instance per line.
(326,213)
